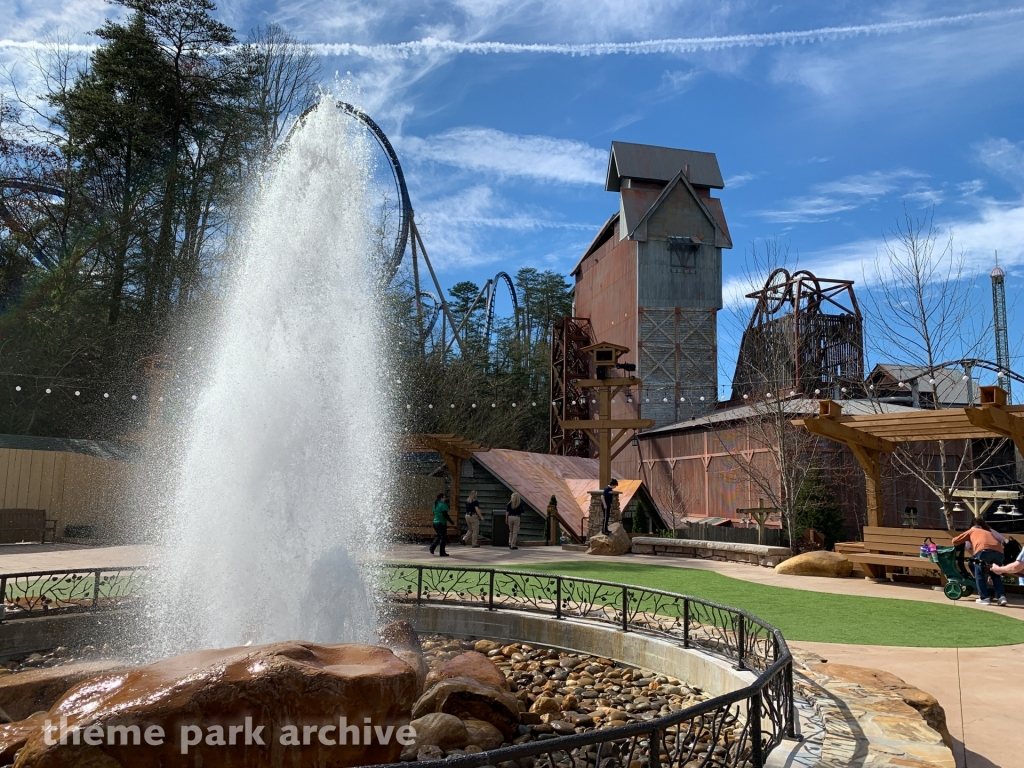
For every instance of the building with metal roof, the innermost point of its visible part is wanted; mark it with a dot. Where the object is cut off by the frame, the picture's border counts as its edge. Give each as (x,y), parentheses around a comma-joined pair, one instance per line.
(651,280)
(918,387)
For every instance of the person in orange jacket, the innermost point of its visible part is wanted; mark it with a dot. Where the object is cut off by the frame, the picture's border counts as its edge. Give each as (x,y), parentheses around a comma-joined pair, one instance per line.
(986,547)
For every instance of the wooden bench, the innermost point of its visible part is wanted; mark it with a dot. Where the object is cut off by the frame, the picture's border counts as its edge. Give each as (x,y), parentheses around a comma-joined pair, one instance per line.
(888,548)
(23,525)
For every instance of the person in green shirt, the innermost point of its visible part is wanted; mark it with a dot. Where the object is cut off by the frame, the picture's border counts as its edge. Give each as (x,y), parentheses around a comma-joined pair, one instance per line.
(441,523)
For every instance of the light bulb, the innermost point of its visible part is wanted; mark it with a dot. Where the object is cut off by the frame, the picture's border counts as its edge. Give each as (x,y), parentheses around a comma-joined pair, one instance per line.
(629,398)
(473,405)
(513,405)
(702,398)
(398,381)
(746,397)
(534,403)
(932,382)
(106,394)
(47,390)
(647,399)
(843,390)
(817,391)
(17,389)
(900,384)
(871,387)
(430,406)
(408,407)
(664,399)
(160,399)
(77,393)
(134,397)
(965,377)
(492,405)
(682,399)
(792,392)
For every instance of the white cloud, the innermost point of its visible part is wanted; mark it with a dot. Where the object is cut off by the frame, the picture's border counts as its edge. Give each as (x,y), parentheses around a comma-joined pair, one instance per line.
(486,150)
(456,228)
(739,180)
(678,81)
(845,194)
(1004,157)
(869,76)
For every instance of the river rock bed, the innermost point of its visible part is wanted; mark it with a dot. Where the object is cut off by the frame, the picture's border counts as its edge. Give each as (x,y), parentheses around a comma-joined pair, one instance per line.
(561,692)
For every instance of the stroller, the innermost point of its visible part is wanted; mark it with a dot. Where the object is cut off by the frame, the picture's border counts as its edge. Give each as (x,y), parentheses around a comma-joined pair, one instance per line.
(959,579)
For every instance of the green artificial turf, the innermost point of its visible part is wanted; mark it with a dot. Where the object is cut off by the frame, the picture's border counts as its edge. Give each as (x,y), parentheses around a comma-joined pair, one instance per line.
(817,616)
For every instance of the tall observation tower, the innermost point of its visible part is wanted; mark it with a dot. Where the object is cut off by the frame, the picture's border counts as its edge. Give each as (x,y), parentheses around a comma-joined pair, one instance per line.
(999,320)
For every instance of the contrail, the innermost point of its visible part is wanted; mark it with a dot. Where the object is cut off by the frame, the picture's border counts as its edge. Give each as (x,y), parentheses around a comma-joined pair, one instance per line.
(428,45)
(391,51)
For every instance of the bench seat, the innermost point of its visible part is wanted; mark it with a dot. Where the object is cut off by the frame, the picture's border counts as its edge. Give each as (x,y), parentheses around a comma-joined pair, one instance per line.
(893,561)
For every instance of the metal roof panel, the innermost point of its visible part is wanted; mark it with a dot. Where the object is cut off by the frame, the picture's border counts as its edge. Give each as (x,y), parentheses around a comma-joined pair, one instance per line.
(649,163)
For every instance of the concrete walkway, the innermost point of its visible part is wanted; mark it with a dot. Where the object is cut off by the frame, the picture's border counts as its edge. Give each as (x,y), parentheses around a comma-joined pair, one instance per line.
(19,558)
(979,688)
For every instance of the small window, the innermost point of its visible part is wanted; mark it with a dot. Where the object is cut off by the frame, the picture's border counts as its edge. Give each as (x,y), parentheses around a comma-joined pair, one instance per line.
(682,254)
(467,468)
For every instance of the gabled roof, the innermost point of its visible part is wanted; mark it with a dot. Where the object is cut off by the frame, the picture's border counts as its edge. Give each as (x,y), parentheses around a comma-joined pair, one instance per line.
(950,388)
(101,449)
(798,406)
(603,236)
(539,476)
(679,179)
(648,163)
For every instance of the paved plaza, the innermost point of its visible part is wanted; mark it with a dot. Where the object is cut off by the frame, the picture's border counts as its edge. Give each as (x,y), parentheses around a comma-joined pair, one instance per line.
(978,687)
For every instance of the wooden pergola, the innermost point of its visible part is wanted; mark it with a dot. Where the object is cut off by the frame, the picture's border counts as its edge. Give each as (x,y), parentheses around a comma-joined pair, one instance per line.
(453,449)
(869,436)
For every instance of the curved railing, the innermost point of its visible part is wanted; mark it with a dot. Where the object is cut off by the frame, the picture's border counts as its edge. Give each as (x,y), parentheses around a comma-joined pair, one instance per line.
(735,729)
(74,590)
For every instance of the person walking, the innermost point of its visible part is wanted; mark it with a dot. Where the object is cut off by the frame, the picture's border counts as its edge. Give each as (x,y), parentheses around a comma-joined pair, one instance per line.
(513,517)
(473,518)
(441,523)
(987,548)
(606,504)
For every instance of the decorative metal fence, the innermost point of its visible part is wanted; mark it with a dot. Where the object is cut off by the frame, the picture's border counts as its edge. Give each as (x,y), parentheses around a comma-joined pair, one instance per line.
(737,729)
(44,593)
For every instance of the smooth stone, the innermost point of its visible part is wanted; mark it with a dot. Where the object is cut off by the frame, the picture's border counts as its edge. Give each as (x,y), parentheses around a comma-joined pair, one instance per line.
(473,665)
(39,689)
(484,734)
(440,729)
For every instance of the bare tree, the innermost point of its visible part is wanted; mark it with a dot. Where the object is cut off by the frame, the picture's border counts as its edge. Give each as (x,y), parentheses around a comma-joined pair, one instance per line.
(286,74)
(923,315)
(777,459)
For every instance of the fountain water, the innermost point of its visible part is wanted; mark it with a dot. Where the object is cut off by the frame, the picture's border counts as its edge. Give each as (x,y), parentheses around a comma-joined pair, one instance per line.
(274,500)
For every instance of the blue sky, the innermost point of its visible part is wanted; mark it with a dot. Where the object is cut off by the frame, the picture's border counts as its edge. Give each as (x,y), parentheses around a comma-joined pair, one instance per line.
(827,118)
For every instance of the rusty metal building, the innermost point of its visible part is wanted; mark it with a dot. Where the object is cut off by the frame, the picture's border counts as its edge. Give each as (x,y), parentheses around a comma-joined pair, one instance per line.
(652,280)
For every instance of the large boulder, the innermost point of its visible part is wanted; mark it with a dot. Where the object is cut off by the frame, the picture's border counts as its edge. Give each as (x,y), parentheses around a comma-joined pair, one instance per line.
(37,690)
(473,665)
(926,704)
(616,543)
(264,699)
(818,563)
(467,698)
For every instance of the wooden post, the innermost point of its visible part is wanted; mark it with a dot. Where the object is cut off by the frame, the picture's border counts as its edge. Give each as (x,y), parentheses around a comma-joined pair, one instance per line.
(604,441)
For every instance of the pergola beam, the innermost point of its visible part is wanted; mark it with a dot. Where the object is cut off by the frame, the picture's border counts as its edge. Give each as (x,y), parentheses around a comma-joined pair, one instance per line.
(870,435)
(995,419)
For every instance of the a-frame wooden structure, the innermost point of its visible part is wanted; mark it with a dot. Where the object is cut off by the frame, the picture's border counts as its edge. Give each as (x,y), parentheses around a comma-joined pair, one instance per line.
(871,435)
